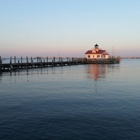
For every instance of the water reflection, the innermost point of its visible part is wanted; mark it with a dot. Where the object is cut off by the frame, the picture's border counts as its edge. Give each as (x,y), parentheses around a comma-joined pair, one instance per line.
(97,71)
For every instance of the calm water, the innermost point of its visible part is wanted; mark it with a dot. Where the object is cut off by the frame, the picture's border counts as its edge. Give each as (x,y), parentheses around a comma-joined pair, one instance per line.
(100,102)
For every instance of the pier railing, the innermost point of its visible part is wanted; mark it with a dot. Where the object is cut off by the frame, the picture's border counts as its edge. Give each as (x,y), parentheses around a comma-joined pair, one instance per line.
(40,62)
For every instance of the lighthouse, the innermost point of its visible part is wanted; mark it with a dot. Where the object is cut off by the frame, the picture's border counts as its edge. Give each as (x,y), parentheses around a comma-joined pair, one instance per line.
(96,53)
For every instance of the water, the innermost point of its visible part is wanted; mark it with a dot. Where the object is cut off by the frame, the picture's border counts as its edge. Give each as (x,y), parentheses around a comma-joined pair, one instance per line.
(100,102)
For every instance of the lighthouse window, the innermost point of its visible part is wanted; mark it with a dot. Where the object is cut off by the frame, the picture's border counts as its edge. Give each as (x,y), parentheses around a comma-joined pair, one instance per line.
(88,56)
(98,56)
(93,55)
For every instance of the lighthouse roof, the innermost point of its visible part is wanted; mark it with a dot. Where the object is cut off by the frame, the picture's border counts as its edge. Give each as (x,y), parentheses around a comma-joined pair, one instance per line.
(97,52)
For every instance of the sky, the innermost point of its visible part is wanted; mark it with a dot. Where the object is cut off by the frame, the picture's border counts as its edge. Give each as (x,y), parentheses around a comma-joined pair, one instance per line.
(68,28)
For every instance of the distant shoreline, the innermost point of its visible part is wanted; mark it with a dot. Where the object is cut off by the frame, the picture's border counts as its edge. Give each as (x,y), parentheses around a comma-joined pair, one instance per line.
(130,57)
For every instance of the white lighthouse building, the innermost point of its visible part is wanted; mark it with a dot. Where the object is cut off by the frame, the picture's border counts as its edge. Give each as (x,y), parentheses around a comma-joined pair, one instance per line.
(96,53)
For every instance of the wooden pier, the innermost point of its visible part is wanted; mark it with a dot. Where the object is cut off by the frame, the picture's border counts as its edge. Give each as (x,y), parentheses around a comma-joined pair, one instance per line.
(17,64)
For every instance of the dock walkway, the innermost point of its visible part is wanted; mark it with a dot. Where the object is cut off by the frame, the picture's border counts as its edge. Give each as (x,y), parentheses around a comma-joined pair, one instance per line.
(47,62)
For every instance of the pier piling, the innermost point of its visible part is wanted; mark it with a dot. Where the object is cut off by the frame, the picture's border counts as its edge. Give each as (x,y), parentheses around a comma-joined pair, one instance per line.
(11,59)
(14,59)
(21,59)
(11,67)
(0,64)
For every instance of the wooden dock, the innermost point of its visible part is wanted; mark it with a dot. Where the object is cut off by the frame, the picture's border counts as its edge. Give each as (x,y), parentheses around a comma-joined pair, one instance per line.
(39,62)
